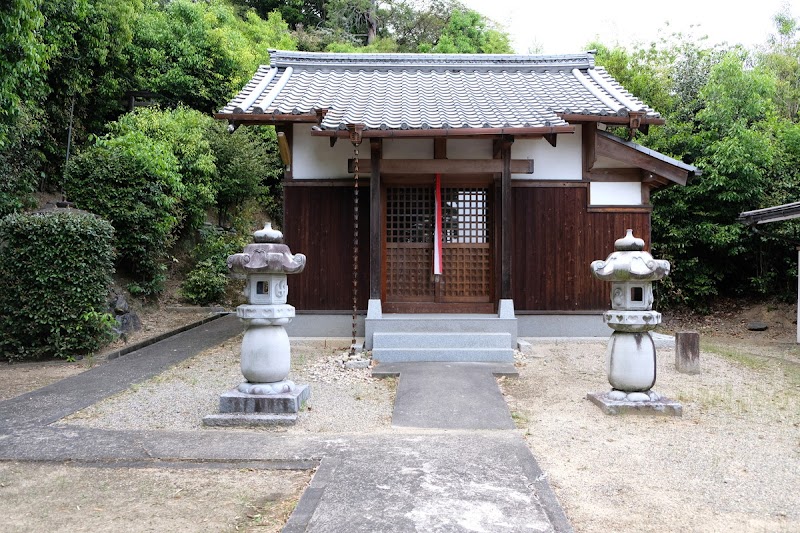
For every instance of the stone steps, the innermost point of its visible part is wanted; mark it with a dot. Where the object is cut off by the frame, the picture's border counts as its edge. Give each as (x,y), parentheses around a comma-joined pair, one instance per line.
(396,347)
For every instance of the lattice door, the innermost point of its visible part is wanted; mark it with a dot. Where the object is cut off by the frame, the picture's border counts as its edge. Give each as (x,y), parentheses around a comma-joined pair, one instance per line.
(466,245)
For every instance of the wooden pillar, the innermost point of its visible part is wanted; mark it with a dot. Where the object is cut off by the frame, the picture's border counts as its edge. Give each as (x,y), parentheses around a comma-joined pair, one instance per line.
(375,216)
(505,219)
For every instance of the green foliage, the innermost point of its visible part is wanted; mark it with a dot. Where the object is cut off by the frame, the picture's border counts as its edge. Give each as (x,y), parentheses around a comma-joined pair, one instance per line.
(248,174)
(19,164)
(469,32)
(208,280)
(56,269)
(185,132)
(23,59)
(725,115)
(134,182)
(201,53)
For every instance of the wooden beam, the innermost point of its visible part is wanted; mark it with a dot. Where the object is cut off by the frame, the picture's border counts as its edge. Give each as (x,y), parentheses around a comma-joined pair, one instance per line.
(505,220)
(588,136)
(615,174)
(446,166)
(620,152)
(607,119)
(375,216)
(440,148)
(283,149)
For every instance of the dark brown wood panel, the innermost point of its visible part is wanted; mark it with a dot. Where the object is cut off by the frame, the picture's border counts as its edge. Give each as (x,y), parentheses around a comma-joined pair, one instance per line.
(555,238)
(318,222)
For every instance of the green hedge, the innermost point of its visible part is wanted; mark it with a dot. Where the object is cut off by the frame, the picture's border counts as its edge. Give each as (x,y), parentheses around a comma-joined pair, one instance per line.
(56,269)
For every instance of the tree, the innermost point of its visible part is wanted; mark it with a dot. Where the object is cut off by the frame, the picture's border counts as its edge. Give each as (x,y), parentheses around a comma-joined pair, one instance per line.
(23,60)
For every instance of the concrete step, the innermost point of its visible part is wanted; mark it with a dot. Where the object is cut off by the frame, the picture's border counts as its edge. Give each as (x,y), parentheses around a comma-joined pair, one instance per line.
(477,355)
(461,340)
(443,323)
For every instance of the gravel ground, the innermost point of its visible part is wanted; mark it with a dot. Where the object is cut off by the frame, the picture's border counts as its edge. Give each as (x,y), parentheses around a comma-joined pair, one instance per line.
(342,400)
(731,463)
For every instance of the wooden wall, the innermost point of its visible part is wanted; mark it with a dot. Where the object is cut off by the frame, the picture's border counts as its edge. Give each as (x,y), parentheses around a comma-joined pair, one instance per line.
(555,238)
(318,222)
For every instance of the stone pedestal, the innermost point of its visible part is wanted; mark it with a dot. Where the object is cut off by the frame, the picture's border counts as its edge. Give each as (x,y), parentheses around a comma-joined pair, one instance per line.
(242,409)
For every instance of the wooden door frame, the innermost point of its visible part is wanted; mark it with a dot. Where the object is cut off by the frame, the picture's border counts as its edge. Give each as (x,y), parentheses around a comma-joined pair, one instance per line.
(449,180)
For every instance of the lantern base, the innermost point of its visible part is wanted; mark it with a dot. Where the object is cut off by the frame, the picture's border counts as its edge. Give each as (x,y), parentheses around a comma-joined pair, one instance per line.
(613,403)
(241,409)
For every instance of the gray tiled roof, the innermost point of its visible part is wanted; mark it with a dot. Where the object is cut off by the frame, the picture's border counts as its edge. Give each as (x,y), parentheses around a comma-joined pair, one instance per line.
(432,91)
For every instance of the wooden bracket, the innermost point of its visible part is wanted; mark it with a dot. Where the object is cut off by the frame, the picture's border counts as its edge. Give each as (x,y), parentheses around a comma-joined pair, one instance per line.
(552,138)
(333,141)
(355,131)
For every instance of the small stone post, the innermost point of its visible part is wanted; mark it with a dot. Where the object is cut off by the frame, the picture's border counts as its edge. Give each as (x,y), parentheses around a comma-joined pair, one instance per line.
(631,353)
(267,396)
(687,352)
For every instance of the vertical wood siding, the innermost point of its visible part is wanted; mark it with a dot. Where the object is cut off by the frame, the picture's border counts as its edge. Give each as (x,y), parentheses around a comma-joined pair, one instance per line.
(555,240)
(318,222)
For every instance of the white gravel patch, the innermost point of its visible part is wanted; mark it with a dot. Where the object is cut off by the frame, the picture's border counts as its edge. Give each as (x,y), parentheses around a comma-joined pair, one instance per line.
(342,400)
(731,463)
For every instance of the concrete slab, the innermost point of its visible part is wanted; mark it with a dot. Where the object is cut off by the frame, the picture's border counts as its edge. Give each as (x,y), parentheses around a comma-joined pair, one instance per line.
(449,396)
(439,483)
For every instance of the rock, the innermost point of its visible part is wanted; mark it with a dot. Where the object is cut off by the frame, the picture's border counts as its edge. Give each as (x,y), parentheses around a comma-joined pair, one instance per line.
(617,395)
(654,396)
(757,326)
(638,397)
(363,363)
(128,323)
(121,305)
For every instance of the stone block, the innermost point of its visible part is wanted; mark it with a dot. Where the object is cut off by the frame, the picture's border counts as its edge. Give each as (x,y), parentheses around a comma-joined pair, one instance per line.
(661,407)
(687,352)
(249,420)
(234,401)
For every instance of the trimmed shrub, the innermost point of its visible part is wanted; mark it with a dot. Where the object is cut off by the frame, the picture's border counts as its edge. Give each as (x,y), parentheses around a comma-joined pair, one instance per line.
(56,269)
(133,182)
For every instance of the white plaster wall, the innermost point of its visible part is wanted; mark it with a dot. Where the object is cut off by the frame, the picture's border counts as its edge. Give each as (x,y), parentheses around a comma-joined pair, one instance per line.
(469,149)
(408,148)
(560,163)
(313,157)
(615,193)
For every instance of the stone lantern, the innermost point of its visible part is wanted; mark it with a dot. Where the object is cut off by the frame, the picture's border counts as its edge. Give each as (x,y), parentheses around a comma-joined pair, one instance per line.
(267,396)
(631,352)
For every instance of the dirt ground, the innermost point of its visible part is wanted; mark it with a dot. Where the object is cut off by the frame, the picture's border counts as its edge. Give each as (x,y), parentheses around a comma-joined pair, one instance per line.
(731,463)
(70,498)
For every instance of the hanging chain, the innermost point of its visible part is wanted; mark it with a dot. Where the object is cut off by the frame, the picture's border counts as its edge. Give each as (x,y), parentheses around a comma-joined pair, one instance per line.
(355,246)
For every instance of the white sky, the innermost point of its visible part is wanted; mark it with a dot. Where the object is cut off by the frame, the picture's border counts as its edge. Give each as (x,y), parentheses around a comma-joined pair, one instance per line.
(566,26)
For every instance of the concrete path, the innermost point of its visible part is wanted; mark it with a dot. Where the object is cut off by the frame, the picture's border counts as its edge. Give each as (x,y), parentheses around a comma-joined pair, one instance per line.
(422,475)
(449,395)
